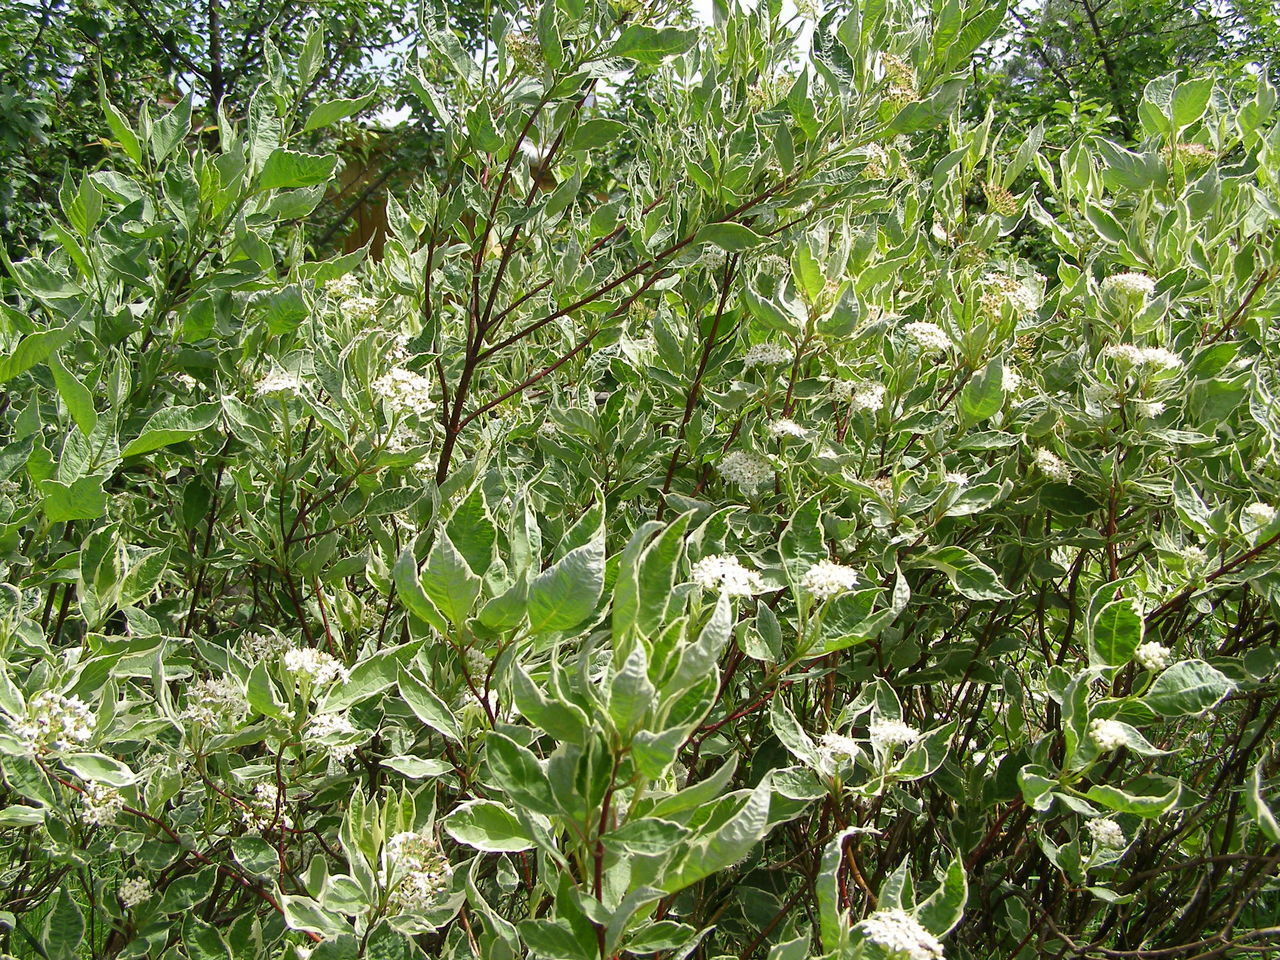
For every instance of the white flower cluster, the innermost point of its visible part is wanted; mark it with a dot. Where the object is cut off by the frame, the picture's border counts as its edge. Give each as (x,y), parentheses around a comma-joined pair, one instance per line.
(900,80)
(268,646)
(1149,409)
(278,381)
(1010,379)
(185,380)
(314,666)
(336,725)
(1152,656)
(1107,734)
(1106,833)
(959,479)
(423,872)
(405,391)
(825,579)
(746,470)
(360,309)
(343,288)
(725,572)
(134,891)
(1051,465)
(835,750)
(55,722)
(1003,288)
(887,733)
(1135,356)
(860,395)
(1137,285)
(266,808)
(212,701)
(766,355)
(102,804)
(929,336)
(787,428)
(901,935)
(1259,515)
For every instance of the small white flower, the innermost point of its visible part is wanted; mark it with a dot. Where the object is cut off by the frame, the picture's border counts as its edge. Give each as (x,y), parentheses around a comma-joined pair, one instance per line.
(726,572)
(1107,734)
(336,726)
(405,391)
(929,336)
(901,935)
(267,646)
(835,751)
(265,809)
(359,309)
(278,381)
(1106,833)
(1149,409)
(1136,285)
(1193,556)
(54,722)
(887,733)
(1051,465)
(1152,656)
(826,579)
(1135,356)
(214,702)
(314,666)
(959,479)
(860,395)
(787,428)
(767,355)
(417,871)
(1002,289)
(102,804)
(1259,515)
(746,470)
(185,380)
(1010,379)
(134,891)
(343,288)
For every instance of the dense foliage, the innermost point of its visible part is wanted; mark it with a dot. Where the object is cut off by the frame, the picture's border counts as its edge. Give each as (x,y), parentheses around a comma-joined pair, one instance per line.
(751,512)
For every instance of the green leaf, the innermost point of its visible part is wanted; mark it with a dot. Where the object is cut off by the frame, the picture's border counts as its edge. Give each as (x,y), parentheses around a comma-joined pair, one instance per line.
(472,531)
(428,708)
(410,592)
(1190,98)
(971,577)
(651,46)
(173,425)
(331,111)
(733,237)
(631,694)
(99,768)
(1117,631)
(983,396)
(63,928)
(554,940)
(1258,807)
(487,826)
(289,168)
(726,845)
(518,773)
(597,132)
(1187,688)
(75,395)
(34,348)
(1125,801)
(447,579)
(83,499)
(944,908)
(565,594)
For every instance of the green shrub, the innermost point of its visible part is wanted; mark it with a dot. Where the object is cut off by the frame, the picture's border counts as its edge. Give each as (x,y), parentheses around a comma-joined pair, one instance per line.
(755,558)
